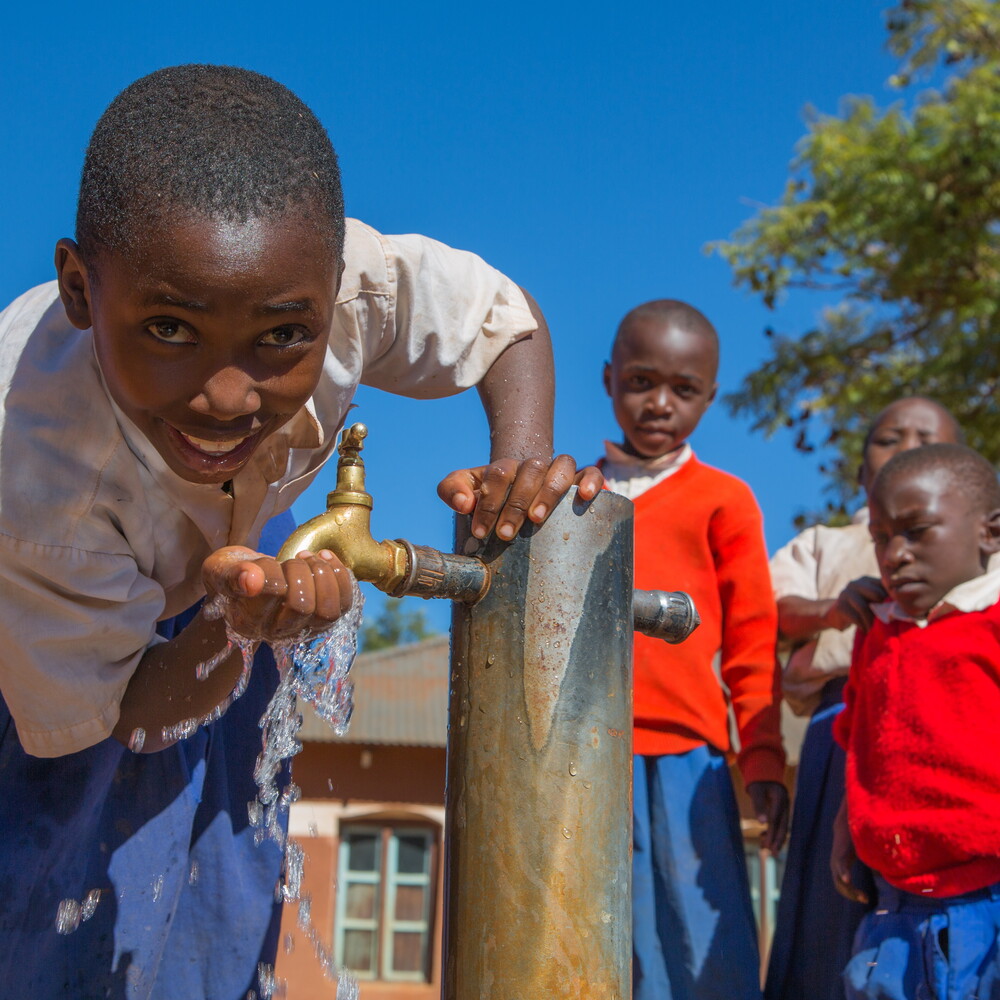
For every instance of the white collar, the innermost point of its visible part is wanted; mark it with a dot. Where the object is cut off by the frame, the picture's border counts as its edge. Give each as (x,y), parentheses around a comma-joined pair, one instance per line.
(632,465)
(977,594)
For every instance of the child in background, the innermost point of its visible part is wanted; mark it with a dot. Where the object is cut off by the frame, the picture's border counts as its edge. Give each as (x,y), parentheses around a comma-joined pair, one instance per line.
(173,393)
(698,529)
(823,580)
(921,735)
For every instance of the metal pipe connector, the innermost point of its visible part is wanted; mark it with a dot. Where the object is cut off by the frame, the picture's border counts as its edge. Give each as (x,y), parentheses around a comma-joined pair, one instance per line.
(667,615)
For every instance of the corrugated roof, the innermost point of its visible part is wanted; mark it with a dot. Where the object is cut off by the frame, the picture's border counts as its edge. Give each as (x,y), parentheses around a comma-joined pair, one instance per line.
(400,698)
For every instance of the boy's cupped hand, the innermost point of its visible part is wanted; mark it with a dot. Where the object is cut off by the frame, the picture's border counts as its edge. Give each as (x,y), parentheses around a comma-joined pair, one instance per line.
(268,601)
(504,493)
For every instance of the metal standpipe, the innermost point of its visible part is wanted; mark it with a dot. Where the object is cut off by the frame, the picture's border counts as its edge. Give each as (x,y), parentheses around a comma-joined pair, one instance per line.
(539,788)
(538,845)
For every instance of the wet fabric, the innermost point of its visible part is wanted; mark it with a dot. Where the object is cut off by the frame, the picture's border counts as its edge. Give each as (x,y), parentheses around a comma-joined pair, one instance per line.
(694,934)
(815,926)
(186,907)
(920,948)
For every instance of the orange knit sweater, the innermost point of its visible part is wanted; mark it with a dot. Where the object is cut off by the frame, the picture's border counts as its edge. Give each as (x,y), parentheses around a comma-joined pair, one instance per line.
(700,530)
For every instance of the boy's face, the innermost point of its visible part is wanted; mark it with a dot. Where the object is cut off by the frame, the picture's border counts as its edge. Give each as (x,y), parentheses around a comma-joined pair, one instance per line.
(929,537)
(909,423)
(661,380)
(211,335)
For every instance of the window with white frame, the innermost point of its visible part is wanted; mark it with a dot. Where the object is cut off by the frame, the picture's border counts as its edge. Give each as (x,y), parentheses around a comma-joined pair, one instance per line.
(384,901)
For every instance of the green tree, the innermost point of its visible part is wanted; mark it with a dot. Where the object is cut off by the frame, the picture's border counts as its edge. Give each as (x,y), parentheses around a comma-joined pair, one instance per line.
(394,626)
(894,214)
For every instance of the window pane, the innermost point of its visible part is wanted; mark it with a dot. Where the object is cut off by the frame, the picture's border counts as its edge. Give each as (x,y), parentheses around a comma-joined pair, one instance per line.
(410,902)
(360,903)
(363,852)
(412,854)
(358,950)
(407,952)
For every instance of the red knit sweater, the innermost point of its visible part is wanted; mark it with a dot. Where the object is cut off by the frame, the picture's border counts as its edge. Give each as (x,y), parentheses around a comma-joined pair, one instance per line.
(922,735)
(700,530)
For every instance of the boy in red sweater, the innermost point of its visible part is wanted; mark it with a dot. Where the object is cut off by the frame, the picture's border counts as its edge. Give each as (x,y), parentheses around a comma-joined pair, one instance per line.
(923,744)
(694,935)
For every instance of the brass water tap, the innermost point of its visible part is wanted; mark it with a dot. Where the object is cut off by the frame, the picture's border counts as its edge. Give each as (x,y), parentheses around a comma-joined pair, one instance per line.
(396,567)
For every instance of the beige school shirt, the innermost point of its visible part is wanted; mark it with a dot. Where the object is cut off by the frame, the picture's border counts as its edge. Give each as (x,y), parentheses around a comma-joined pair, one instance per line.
(818,564)
(99,540)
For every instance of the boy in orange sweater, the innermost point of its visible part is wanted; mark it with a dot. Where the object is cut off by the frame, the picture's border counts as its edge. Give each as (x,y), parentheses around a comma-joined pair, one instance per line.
(694,936)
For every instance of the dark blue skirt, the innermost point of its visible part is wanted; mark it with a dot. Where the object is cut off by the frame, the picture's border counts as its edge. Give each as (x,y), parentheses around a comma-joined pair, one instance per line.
(815,926)
(161,843)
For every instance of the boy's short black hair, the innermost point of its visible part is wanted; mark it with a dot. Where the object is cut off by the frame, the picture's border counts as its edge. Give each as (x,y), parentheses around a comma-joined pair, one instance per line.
(966,468)
(671,312)
(213,140)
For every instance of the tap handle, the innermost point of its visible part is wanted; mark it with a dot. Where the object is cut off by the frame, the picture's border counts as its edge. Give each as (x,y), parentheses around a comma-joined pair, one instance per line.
(352,440)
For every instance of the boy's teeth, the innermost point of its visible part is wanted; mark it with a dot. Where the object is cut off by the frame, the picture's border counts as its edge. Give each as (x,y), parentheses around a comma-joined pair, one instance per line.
(213,447)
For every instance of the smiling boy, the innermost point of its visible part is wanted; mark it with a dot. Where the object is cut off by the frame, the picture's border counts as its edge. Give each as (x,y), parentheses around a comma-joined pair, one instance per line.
(168,398)
(698,529)
(920,729)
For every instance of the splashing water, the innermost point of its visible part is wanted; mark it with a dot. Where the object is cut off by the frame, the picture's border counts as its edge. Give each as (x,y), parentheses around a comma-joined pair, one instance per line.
(71,914)
(317,671)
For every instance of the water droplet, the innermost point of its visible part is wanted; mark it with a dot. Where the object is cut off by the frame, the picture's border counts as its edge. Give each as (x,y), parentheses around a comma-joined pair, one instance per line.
(136,740)
(572,767)
(491,659)
(193,874)
(90,904)
(289,943)
(265,977)
(567,834)
(68,916)
(157,888)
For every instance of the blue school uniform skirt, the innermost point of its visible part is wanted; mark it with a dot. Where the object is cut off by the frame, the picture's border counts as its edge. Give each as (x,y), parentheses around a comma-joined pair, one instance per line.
(693,931)
(158,846)
(815,926)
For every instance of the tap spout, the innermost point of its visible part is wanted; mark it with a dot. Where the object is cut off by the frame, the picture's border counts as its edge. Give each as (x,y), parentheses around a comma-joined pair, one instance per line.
(395,567)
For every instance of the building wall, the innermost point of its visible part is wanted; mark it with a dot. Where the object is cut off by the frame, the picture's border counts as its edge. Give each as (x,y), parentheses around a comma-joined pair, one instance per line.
(344,783)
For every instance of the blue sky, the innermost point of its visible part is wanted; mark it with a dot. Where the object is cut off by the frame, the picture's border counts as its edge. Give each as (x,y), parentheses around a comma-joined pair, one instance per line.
(590,155)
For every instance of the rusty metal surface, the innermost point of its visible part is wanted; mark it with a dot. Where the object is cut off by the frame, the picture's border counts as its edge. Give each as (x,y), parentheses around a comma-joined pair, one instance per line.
(539,764)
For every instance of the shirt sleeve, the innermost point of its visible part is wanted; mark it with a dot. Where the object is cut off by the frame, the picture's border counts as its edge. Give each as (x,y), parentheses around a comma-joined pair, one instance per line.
(795,573)
(431,319)
(748,662)
(74,627)
(794,568)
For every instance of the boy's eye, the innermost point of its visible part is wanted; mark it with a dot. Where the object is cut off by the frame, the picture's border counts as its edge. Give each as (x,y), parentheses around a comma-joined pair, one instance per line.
(283,336)
(685,391)
(637,383)
(170,332)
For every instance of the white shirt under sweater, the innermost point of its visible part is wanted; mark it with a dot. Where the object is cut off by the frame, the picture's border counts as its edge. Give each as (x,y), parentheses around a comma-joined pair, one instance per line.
(99,539)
